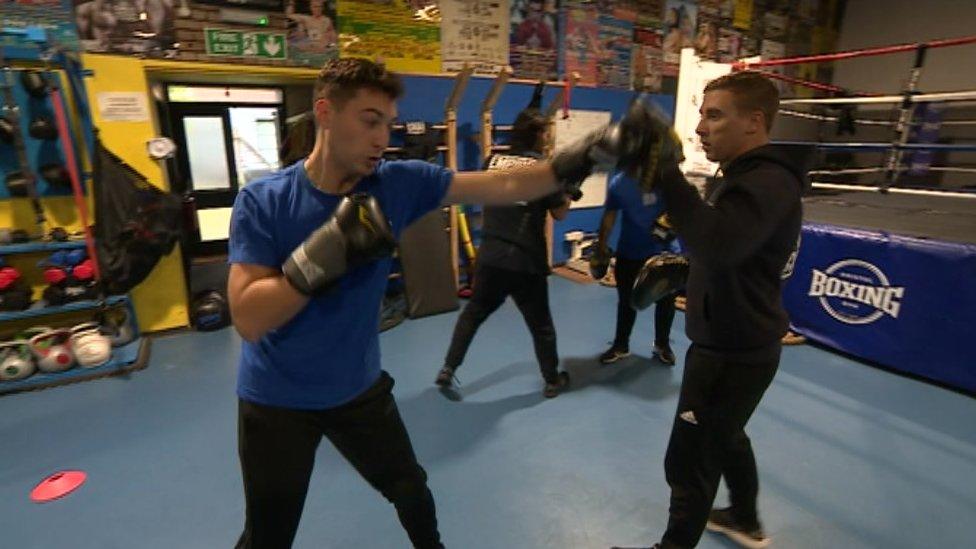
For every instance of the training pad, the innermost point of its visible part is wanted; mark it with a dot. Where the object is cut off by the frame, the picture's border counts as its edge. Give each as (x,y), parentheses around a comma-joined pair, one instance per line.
(425,253)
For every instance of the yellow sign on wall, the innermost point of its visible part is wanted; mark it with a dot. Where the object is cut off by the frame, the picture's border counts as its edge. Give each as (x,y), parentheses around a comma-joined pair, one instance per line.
(405,37)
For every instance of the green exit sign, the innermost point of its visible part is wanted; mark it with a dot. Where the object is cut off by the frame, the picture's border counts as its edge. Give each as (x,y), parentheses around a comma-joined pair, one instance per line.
(246,44)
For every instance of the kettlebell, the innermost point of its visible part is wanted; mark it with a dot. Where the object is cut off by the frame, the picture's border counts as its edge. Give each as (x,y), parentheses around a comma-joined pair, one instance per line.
(34,82)
(56,175)
(7,130)
(42,127)
(17,183)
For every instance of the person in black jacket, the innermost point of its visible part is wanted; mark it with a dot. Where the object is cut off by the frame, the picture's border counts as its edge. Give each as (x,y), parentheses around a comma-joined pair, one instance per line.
(513,260)
(741,239)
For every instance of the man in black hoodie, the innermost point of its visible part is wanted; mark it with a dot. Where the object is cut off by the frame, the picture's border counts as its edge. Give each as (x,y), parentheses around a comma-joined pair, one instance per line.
(741,239)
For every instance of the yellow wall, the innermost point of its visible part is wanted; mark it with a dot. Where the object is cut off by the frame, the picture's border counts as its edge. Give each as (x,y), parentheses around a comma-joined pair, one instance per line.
(160,301)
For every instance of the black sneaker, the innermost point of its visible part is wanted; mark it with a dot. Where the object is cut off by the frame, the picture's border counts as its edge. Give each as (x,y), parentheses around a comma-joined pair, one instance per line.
(445,377)
(751,536)
(664,354)
(613,354)
(552,390)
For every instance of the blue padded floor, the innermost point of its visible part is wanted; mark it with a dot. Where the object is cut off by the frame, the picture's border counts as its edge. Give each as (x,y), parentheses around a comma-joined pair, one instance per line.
(849,456)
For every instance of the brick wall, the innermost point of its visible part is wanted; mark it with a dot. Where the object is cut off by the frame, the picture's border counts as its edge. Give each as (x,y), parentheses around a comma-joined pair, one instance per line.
(192,40)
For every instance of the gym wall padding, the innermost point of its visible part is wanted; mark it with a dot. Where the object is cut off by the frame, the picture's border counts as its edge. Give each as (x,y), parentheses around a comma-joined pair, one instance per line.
(425,253)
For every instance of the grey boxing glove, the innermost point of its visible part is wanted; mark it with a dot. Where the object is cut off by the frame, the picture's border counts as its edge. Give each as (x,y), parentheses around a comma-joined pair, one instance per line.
(356,234)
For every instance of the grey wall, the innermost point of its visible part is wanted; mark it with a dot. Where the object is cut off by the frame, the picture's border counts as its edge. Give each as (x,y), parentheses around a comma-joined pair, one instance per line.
(872,23)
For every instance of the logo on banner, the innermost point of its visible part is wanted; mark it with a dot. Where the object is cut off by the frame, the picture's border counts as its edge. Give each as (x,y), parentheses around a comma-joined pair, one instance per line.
(856,292)
(791,261)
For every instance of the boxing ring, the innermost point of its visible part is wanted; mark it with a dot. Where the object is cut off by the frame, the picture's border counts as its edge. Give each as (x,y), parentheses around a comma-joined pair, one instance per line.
(887,265)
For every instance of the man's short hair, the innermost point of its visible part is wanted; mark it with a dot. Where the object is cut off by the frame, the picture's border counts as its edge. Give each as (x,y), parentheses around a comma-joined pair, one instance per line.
(340,79)
(752,92)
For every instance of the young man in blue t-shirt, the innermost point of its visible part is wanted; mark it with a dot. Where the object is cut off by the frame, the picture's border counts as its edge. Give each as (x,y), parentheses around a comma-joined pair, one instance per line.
(638,241)
(310,251)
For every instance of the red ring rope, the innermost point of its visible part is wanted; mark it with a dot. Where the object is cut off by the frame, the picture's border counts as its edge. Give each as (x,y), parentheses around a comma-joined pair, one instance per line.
(883,50)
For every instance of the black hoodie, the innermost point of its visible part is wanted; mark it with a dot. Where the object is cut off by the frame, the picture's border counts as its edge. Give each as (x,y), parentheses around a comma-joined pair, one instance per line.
(740,241)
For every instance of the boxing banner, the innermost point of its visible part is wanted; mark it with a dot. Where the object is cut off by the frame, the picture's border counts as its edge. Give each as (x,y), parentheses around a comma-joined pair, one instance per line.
(901,302)
(404,34)
(475,33)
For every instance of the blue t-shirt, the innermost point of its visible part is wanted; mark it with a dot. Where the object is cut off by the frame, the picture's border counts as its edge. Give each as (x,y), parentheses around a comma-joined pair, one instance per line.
(639,211)
(329,352)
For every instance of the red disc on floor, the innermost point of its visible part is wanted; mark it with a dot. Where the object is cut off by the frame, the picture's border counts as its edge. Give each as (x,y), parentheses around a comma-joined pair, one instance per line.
(57,485)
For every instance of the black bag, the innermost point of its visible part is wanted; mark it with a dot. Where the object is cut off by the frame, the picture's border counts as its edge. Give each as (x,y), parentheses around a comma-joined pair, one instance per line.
(137,223)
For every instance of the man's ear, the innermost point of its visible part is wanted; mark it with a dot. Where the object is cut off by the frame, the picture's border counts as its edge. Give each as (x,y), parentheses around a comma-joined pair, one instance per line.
(324,111)
(757,122)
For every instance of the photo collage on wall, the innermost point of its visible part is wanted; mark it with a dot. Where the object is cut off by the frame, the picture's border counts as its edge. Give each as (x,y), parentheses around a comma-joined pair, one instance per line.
(624,44)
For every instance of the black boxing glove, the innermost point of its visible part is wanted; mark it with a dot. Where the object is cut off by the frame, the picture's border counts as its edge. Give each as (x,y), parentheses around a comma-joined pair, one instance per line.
(356,234)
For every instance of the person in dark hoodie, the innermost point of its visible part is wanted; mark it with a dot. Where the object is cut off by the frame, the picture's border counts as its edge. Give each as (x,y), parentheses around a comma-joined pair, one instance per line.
(513,260)
(741,238)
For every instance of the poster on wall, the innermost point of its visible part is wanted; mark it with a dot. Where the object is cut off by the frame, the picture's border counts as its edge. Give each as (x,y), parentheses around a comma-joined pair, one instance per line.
(616,44)
(143,27)
(403,34)
(770,49)
(312,36)
(775,26)
(719,9)
(648,12)
(680,22)
(54,16)
(582,47)
(533,39)
(742,15)
(648,60)
(729,45)
(475,33)
(706,38)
